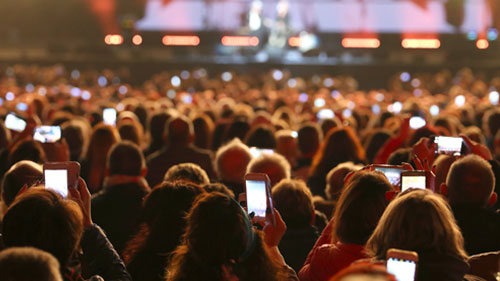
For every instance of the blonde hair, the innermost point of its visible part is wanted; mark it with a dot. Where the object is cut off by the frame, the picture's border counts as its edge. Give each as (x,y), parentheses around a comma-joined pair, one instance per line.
(418,220)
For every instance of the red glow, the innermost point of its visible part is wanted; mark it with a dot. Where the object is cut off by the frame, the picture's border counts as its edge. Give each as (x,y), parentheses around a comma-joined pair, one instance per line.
(482,44)
(294,41)
(364,43)
(113,39)
(421,43)
(181,40)
(241,41)
(137,39)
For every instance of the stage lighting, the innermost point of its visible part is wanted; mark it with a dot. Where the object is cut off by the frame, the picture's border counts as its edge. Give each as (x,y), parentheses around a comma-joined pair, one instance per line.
(482,44)
(181,40)
(175,81)
(137,39)
(240,41)
(361,43)
(10,96)
(113,39)
(421,43)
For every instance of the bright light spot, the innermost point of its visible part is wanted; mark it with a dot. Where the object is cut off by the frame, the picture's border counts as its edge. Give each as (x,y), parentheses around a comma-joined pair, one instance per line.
(137,39)
(370,43)
(120,107)
(434,110)
(351,105)
(303,97)
(424,43)
(494,96)
(292,83)
(175,81)
(30,88)
(113,39)
(376,109)
(295,134)
(347,113)
(482,44)
(171,94)
(417,92)
(417,122)
(379,97)
(492,34)
(75,74)
(188,99)
(227,76)
(328,82)
(10,96)
(405,76)
(123,89)
(460,100)
(319,102)
(415,83)
(397,107)
(242,41)
(42,91)
(472,35)
(336,94)
(76,92)
(86,95)
(277,75)
(325,113)
(102,81)
(22,106)
(185,74)
(180,40)
(1,101)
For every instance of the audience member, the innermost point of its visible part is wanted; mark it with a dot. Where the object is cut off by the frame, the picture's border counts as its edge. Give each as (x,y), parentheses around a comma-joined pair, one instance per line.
(308,142)
(231,161)
(28,264)
(187,172)
(274,165)
(23,174)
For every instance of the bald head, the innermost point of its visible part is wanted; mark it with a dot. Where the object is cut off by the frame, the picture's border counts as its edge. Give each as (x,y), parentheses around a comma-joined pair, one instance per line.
(22,173)
(179,130)
(470,181)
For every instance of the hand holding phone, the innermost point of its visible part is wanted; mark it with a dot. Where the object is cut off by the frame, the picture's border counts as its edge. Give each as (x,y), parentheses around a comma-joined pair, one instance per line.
(14,122)
(61,176)
(402,264)
(449,145)
(259,201)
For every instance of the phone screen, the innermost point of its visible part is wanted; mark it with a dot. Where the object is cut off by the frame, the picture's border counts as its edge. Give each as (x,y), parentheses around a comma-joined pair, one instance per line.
(47,134)
(57,180)
(256,197)
(392,174)
(256,152)
(109,116)
(14,123)
(417,122)
(403,270)
(413,182)
(325,114)
(448,145)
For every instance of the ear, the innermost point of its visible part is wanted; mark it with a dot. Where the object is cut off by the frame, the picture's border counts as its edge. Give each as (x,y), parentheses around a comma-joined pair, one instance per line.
(444,189)
(144,171)
(313,217)
(493,199)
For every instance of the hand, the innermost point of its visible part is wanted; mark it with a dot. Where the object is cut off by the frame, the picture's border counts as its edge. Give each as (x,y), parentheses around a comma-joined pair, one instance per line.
(425,150)
(477,148)
(57,151)
(81,195)
(430,174)
(274,233)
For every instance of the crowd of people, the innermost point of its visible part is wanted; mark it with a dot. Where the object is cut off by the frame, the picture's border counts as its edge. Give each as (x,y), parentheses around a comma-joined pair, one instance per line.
(160,185)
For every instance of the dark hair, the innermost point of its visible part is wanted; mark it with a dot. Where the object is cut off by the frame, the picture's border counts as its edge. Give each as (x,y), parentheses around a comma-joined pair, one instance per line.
(239,128)
(294,201)
(187,172)
(125,158)
(374,142)
(262,137)
(27,149)
(217,235)
(179,130)
(360,207)
(309,138)
(27,264)
(41,218)
(203,128)
(73,134)
(129,130)
(399,156)
(219,187)
(157,127)
(22,173)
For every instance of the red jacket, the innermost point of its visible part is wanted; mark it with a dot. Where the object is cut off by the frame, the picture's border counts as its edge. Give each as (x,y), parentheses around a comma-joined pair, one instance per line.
(328,259)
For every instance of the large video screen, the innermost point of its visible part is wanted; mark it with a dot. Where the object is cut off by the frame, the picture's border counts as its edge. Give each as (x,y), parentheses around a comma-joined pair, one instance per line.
(327,16)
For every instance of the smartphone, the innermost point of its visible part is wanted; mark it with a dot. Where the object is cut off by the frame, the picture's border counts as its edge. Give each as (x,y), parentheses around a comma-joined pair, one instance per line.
(417,122)
(391,172)
(258,192)
(449,145)
(402,264)
(47,134)
(14,122)
(413,179)
(256,152)
(60,176)
(109,116)
(325,113)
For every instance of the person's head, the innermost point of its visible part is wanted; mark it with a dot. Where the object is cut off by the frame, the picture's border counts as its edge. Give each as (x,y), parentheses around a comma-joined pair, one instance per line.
(237,129)
(231,161)
(27,264)
(126,158)
(417,220)
(218,237)
(55,224)
(203,128)
(27,149)
(399,156)
(293,199)
(491,121)
(340,145)
(261,136)
(23,173)
(363,272)
(187,172)
(103,137)
(130,131)
(442,163)
(335,179)
(218,187)
(470,181)
(157,126)
(360,207)
(274,165)
(179,130)
(308,139)
(375,142)
(286,145)
(74,134)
